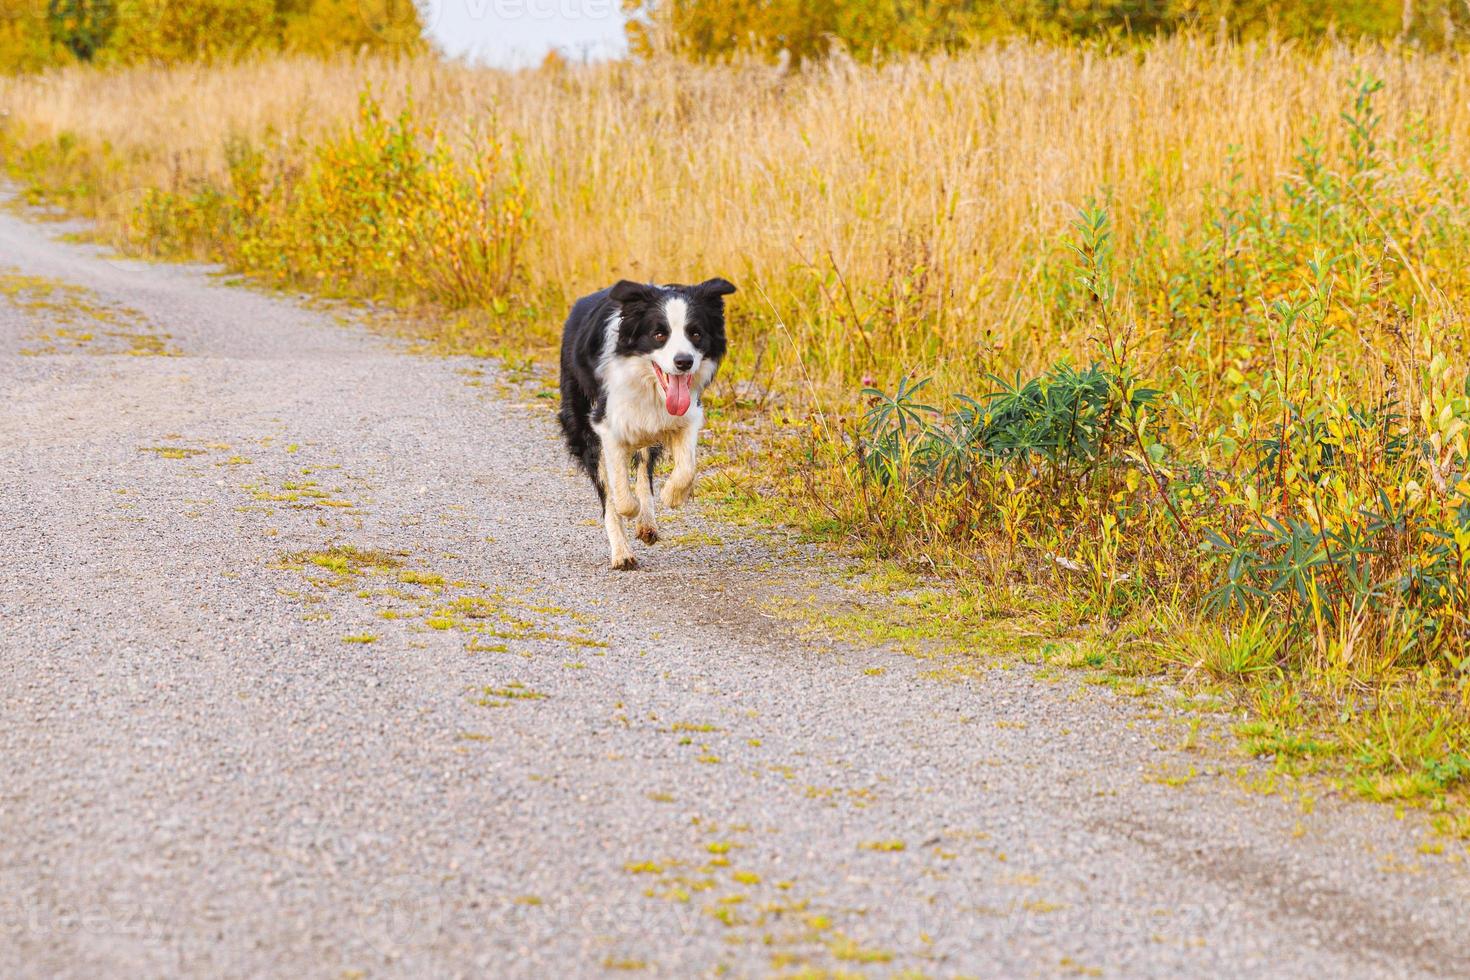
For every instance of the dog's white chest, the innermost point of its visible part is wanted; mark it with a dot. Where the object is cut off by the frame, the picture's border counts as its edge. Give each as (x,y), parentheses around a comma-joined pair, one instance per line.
(635,414)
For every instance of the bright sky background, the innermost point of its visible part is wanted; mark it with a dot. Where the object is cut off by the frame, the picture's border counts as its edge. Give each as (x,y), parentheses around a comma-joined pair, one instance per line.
(520,32)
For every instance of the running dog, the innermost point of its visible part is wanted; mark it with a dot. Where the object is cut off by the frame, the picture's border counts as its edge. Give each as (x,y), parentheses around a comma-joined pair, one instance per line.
(634,359)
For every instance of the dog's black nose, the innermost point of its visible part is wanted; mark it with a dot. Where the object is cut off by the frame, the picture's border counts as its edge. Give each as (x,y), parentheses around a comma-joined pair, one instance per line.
(683,362)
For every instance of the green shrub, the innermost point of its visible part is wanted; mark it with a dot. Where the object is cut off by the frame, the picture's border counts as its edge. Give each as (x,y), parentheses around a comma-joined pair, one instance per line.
(384,209)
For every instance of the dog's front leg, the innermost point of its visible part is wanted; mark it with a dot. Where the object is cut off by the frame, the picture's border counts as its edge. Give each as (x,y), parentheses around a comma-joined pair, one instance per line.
(621,552)
(643,486)
(615,469)
(682,447)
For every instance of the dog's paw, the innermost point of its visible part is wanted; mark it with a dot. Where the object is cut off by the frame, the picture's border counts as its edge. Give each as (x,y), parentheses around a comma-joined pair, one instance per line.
(625,563)
(648,534)
(674,494)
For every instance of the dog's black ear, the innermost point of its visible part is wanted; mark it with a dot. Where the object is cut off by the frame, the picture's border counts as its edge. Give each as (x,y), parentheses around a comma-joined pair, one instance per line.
(716,287)
(627,291)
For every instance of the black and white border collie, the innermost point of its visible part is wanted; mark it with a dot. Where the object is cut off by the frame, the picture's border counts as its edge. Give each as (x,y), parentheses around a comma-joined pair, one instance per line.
(634,359)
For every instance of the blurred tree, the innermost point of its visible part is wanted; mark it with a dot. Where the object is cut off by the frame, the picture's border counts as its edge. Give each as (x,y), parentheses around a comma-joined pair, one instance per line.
(35,34)
(873,29)
(81,26)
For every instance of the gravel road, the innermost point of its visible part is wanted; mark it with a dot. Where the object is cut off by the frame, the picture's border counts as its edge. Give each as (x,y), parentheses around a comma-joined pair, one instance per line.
(232,746)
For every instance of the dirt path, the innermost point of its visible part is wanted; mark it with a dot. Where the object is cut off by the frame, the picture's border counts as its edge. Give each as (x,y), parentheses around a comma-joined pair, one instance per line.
(539,767)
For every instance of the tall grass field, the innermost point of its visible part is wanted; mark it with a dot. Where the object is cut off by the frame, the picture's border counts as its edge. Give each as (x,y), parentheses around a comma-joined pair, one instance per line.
(1159,352)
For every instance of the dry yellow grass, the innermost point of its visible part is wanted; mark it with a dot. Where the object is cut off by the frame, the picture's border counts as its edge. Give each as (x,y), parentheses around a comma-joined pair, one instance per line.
(919,182)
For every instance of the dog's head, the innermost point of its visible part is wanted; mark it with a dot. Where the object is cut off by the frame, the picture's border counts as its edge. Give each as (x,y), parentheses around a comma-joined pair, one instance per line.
(679,329)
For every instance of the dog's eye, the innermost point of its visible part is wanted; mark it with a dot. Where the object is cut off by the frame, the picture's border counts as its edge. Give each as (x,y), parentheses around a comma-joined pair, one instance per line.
(694,335)
(660,335)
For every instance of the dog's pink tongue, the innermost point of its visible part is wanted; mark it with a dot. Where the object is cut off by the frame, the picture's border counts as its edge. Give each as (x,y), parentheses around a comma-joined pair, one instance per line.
(677,398)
